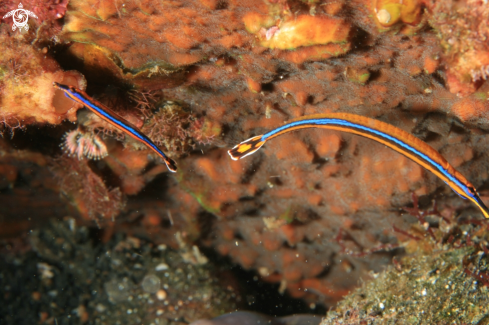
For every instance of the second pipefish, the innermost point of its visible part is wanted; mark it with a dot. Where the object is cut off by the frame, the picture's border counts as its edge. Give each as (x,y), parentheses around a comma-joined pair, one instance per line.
(114,119)
(389,135)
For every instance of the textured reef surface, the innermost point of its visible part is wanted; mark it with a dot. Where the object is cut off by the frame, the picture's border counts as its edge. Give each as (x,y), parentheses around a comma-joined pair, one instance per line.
(314,212)
(58,273)
(443,280)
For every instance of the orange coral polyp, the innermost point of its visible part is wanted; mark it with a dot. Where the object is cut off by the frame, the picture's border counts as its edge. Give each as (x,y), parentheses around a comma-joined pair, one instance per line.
(306,30)
(411,12)
(389,14)
(254,22)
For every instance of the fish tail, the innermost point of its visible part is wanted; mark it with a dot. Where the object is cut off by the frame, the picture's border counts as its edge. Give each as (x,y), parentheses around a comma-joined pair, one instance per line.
(246,148)
(171,164)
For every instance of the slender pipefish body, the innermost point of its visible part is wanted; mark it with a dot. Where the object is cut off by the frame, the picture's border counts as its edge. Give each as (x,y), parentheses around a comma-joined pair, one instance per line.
(389,135)
(117,121)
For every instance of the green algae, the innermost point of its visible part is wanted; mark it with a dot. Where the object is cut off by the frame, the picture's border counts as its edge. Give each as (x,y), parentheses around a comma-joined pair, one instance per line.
(200,197)
(288,216)
(480,95)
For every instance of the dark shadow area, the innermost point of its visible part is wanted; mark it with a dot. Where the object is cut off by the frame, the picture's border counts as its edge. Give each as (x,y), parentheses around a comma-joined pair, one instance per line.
(260,296)
(39,138)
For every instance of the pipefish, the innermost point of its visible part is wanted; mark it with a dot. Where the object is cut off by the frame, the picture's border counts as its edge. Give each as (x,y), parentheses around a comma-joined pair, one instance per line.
(389,135)
(114,119)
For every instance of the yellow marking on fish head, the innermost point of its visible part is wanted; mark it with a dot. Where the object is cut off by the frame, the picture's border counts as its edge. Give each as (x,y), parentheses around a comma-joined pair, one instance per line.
(244,147)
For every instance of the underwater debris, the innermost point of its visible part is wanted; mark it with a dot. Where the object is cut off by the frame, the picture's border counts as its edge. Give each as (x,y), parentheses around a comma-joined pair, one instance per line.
(190,255)
(251,318)
(422,215)
(117,286)
(343,236)
(205,132)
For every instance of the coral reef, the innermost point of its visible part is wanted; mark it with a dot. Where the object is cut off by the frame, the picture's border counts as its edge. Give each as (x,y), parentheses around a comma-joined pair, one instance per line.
(391,12)
(108,34)
(141,40)
(463,32)
(473,109)
(26,77)
(312,37)
(312,212)
(133,169)
(177,130)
